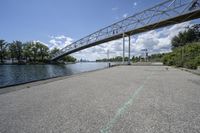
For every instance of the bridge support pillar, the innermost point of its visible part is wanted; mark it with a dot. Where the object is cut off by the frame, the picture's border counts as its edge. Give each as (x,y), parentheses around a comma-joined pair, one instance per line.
(129,50)
(123,48)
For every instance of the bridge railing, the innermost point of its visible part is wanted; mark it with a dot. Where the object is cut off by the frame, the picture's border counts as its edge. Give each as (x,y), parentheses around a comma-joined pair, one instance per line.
(161,12)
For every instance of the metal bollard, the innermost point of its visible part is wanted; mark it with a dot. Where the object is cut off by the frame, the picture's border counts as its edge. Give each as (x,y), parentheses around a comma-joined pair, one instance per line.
(109,65)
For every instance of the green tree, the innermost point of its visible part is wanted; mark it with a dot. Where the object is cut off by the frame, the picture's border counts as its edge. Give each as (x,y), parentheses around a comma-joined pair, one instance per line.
(3,50)
(68,58)
(53,51)
(156,57)
(35,50)
(43,51)
(186,56)
(27,51)
(135,59)
(190,35)
(32,51)
(18,50)
(118,59)
(12,51)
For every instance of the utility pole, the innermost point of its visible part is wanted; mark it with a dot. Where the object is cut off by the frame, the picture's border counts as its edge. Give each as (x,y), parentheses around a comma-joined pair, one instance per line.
(146,54)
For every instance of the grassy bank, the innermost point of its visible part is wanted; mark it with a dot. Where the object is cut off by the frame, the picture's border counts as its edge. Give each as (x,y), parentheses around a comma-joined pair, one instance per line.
(187,56)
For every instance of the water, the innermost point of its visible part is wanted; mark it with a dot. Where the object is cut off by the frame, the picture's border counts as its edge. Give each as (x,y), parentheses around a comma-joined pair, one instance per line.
(16,74)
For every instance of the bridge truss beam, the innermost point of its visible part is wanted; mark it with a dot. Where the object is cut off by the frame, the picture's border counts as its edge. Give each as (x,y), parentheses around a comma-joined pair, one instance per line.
(164,14)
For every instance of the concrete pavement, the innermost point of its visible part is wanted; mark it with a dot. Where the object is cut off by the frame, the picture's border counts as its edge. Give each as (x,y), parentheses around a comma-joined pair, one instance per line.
(124,99)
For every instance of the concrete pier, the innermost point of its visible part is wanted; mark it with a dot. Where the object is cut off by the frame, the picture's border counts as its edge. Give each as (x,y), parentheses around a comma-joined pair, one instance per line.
(131,99)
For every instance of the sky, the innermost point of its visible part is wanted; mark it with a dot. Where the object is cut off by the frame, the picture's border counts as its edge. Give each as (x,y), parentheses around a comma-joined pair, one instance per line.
(58,23)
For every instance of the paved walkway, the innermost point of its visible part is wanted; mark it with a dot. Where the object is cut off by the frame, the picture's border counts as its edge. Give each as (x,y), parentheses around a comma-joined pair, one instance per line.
(124,99)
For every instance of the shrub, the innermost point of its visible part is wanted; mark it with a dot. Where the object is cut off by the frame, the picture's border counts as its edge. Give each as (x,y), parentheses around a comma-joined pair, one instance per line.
(190,64)
(187,56)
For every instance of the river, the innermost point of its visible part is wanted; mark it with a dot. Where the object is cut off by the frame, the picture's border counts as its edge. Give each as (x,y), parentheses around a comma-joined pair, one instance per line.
(17,74)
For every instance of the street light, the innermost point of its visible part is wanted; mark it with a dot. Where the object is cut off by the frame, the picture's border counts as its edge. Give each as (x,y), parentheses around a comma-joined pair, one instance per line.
(146,54)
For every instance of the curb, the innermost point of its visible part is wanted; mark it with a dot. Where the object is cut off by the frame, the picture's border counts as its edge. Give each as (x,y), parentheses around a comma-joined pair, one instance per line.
(196,72)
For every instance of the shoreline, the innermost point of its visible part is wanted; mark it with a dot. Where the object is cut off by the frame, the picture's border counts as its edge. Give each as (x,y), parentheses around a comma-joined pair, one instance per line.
(19,86)
(49,78)
(15,87)
(37,63)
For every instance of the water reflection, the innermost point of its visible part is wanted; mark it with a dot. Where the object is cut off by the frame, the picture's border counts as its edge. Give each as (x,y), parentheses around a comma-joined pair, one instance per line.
(15,74)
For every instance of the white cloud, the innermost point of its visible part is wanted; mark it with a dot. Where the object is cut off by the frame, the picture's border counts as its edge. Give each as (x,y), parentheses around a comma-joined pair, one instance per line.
(115,8)
(41,42)
(135,3)
(125,15)
(156,41)
(59,41)
(59,37)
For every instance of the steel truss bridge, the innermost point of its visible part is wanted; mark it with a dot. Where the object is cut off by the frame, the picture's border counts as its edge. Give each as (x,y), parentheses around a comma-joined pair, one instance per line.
(164,14)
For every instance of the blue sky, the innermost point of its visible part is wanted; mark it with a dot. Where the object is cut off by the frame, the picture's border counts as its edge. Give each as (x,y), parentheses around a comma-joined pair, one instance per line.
(44,20)
(39,19)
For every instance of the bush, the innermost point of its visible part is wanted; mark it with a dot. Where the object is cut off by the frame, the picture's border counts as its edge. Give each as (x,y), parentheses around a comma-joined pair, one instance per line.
(187,56)
(169,59)
(190,64)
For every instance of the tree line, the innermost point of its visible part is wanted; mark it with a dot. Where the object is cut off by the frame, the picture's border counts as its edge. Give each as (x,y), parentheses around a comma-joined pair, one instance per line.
(28,52)
(152,58)
(185,49)
(190,35)
(114,59)
(119,59)
(186,56)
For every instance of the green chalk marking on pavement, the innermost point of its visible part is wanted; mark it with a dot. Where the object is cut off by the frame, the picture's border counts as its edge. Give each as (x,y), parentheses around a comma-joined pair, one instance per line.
(124,108)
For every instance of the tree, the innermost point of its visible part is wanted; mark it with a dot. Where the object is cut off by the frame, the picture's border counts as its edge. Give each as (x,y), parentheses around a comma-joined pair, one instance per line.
(118,59)
(12,51)
(30,51)
(192,34)
(156,57)
(54,51)
(135,59)
(27,51)
(69,58)
(114,59)
(125,58)
(3,46)
(43,51)
(16,51)
(35,50)
(196,28)
(19,52)
(190,58)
